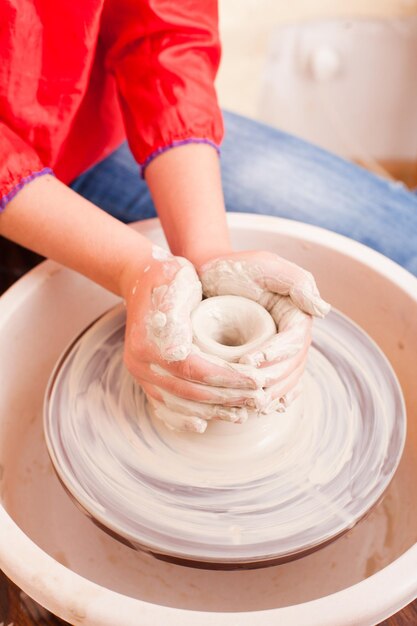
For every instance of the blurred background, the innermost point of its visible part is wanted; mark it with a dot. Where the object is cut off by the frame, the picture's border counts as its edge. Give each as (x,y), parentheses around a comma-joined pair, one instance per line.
(340,74)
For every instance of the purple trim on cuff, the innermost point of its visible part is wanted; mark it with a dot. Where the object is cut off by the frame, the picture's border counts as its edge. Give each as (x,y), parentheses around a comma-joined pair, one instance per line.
(4,201)
(175,144)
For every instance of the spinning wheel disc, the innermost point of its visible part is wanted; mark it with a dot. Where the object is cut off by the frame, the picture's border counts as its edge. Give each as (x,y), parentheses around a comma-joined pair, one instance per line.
(239,495)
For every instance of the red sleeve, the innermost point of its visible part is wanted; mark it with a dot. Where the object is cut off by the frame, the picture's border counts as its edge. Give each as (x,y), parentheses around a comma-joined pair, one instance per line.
(19,164)
(165,56)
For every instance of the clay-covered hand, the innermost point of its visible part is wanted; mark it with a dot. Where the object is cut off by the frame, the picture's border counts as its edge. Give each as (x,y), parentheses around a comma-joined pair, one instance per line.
(185,386)
(290,295)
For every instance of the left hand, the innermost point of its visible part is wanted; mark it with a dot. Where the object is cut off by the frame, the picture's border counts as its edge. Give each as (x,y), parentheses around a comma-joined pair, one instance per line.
(290,295)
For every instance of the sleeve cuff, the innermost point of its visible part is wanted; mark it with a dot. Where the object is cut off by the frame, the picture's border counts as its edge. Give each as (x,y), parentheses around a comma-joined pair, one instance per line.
(4,200)
(174,144)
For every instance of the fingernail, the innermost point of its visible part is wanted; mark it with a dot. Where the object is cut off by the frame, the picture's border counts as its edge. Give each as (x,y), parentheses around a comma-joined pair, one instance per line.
(159,320)
(239,416)
(320,307)
(195,425)
(252,359)
(177,353)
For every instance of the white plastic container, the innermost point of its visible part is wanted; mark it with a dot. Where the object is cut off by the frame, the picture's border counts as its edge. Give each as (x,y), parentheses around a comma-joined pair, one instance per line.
(61,559)
(347,85)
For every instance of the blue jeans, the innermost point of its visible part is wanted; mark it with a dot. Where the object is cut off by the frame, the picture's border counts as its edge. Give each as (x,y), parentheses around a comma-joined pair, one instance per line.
(270,172)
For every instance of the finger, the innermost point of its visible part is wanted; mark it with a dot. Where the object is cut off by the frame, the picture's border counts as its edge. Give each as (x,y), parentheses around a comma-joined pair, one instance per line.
(287,315)
(250,274)
(272,374)
(306,296)
(279,348)
(211,370)
(292,395)
(169,322)
(275,393)
(189,390)
(196,409)
(287,279)
(174,420)
(198,367)
(294,336)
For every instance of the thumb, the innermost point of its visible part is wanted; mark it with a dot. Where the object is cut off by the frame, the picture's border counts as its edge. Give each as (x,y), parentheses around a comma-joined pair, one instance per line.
(306,296)
(169,322)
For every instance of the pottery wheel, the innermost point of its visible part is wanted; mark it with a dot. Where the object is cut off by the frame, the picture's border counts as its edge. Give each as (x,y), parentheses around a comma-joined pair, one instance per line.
(239,495)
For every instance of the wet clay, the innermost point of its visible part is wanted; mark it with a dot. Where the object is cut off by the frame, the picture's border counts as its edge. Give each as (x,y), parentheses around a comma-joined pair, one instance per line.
(271,488)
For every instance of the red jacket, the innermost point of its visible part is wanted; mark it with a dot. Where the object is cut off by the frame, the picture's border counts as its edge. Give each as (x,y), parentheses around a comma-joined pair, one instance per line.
(76,75)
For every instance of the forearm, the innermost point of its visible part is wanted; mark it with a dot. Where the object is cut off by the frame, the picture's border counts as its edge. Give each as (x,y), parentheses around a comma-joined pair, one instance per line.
(51,219)
(185,184)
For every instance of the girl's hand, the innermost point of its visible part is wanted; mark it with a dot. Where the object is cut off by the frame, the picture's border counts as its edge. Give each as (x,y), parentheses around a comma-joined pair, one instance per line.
(185,386)
(185,183)
(291,296)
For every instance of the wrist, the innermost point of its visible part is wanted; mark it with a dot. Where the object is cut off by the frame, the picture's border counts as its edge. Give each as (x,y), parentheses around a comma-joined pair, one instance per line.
(185,184)
(136,264)
(199,253)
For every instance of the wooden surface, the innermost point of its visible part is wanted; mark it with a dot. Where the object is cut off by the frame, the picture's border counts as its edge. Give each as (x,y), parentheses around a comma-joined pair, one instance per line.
(16,608)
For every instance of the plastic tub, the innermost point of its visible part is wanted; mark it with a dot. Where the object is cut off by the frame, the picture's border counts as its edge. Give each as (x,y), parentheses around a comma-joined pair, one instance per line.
(62,560)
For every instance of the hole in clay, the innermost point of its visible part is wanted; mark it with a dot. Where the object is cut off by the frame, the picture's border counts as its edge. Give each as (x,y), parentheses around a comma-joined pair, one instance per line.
(230,337)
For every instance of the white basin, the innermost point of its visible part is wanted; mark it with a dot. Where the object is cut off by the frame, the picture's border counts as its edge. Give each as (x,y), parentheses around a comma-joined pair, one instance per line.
(61,559)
